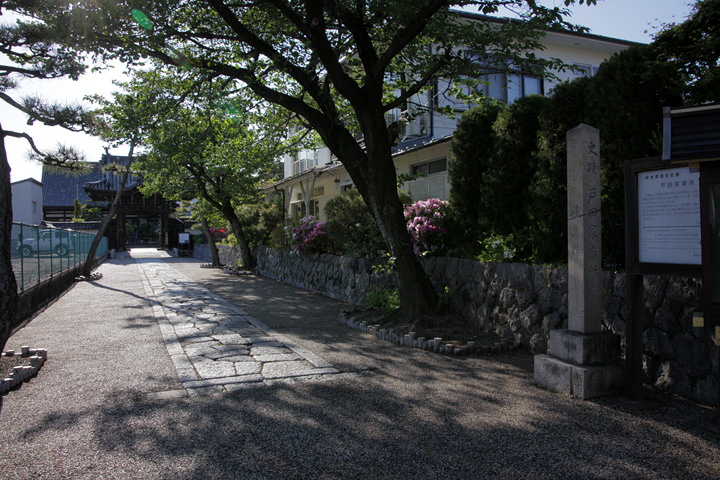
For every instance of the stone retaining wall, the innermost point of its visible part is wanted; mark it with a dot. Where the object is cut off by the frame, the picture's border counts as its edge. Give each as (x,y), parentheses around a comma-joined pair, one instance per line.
(523,303)
(228,255)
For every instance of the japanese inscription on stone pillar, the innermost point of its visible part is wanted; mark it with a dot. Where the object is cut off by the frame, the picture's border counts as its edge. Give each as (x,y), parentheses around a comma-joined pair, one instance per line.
(584,247)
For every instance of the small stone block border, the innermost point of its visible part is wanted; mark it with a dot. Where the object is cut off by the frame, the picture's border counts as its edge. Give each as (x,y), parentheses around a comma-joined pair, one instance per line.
(435,345)
(22,374)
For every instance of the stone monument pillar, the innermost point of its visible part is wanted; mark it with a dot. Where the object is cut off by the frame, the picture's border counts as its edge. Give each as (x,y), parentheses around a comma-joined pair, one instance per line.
(583,360)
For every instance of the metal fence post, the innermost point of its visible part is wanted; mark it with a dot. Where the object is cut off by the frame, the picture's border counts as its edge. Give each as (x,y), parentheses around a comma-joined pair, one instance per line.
(22,259)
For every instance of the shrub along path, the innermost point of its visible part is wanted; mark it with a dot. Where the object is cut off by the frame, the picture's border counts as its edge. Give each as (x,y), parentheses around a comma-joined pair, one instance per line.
(94,411)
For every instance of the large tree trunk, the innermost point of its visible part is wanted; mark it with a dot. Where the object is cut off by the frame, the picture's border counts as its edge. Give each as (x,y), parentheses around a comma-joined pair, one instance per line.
(373,172)
(229,212)
(90,260)
(417,294)
(211,243)
(8,284)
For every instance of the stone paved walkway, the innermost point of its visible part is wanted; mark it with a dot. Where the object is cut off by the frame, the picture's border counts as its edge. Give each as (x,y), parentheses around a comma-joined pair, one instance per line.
(216,346)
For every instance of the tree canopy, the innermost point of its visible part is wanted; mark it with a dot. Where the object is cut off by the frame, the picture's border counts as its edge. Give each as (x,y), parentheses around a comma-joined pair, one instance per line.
(338,64)
(208,140)
(693,47)
(30,48)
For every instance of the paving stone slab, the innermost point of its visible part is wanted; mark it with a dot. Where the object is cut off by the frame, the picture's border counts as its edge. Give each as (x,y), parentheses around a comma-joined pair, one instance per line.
(240,358)
(224,381)
(210,340)
(192,340)
(202,349)
(292,369)
(281,357)
(259,339)
(247,368)
(279,350)
(201,392)
(231,339)
(213,369)
(223,354)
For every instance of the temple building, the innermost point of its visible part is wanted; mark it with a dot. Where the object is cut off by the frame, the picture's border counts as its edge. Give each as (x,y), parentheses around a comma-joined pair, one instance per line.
(146,219)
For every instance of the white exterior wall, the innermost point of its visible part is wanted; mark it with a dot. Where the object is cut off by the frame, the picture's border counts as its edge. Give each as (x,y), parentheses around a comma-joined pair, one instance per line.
(570,48)
(27,201)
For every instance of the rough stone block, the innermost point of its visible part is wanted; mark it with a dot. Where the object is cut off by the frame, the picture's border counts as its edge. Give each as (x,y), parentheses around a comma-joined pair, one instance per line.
(584,349)
(594,381)
(553,373)
(582,381)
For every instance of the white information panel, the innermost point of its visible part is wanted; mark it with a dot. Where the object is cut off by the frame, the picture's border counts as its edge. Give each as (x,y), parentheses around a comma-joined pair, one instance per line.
(669,216)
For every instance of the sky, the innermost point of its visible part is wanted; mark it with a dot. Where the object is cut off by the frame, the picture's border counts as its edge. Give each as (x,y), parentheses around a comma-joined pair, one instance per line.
(634,20)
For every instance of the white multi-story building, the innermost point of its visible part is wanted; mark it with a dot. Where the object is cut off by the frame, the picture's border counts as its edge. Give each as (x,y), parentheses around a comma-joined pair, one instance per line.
(312,177)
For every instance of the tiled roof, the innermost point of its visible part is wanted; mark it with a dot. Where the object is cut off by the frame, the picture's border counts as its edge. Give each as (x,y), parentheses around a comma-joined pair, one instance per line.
(61,186)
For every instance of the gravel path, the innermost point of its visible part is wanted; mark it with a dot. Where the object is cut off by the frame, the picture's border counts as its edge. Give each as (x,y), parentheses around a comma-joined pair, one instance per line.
(93,410)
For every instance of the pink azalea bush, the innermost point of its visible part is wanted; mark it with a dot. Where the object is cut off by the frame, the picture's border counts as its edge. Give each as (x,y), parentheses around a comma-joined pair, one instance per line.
(310,236)
(425,225)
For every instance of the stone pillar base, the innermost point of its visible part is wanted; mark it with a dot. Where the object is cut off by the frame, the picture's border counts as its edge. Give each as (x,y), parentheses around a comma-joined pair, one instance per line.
(584,365)
(582,381)
(585,348)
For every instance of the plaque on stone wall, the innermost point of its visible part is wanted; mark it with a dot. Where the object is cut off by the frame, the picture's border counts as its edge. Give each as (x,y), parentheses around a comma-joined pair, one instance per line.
(669,216)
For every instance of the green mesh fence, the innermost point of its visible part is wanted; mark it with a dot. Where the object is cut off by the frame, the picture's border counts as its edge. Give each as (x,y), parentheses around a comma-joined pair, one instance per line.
(39,253)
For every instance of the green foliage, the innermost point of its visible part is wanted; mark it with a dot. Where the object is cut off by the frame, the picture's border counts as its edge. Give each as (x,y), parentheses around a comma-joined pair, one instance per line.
(693,48)
(443,300)
(385,268)
(231,240)
(386,301)
(77,211)
(92,213)
(497,248)
(260,222)
(493,160)
(512,188)
(338,66)
(352,226)
(470,153)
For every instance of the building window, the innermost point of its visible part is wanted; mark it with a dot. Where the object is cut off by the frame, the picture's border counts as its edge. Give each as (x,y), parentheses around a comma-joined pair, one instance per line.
(506,82)
(34,207)
(429,168)
(584,70)
(299,210)
(304,160)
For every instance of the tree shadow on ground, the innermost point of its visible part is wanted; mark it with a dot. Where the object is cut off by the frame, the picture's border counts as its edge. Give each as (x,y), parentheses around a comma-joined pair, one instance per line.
(371,429)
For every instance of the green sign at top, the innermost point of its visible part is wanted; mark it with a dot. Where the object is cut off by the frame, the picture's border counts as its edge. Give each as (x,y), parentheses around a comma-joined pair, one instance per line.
(142,19)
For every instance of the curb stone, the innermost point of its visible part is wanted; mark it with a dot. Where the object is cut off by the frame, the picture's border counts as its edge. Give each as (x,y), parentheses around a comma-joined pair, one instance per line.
(434,345)
(21,374)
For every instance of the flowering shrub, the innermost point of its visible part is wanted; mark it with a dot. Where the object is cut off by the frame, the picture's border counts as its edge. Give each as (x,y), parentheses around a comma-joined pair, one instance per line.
(497,248)
(310,236)
(425,225)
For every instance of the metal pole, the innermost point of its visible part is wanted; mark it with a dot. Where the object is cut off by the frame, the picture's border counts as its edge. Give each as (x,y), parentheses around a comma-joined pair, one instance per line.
(37,251)
(22,260)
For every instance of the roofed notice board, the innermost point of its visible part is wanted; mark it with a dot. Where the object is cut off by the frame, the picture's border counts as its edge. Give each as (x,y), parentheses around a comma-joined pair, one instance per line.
(668,212)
